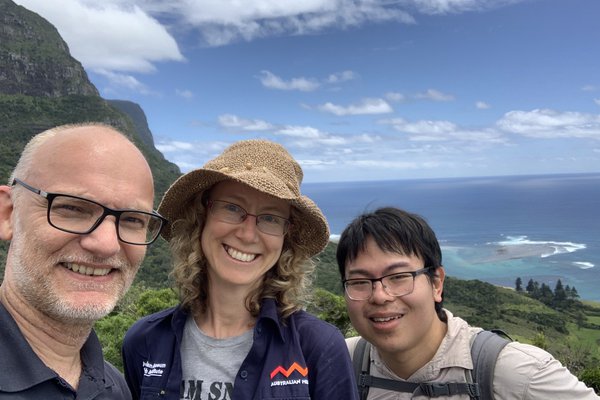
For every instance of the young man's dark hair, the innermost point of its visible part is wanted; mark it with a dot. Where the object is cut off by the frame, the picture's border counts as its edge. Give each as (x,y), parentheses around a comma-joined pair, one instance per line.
(396,231)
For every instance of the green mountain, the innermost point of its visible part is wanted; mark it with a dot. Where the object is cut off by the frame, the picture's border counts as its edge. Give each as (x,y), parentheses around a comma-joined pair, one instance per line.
(42,86)
(34,60)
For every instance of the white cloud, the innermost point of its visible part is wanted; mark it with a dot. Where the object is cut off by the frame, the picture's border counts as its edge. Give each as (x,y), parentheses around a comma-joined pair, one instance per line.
(233,121)
(311,163)
(308,137)
(190,155)
(393,164)
(432,128)
(297,136)
(272,81)
(395,96)
(105,36)
(434,95)
(173,146)
(341,77)
(457,6)
(367,106)
(186,94)
(132,35)
(125,81)
(226,21)
(306,132)
(549,124)
(597,101)
(482,105)
(590,88)
(445,131)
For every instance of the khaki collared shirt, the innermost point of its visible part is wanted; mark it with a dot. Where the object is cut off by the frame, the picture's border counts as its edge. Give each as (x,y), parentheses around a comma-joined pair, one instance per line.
(523,372)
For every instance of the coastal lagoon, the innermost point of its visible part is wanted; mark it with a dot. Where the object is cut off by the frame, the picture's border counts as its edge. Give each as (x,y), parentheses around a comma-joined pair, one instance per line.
(494,229)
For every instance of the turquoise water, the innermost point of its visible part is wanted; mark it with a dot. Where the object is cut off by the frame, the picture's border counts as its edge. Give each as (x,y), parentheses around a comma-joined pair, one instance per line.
(494,229)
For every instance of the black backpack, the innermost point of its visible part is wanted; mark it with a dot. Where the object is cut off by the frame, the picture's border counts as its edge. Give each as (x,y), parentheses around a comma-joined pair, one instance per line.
(484,351)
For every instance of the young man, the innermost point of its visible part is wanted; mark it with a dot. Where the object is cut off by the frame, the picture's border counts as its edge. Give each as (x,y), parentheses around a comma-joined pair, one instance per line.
(391,265)
(78,214)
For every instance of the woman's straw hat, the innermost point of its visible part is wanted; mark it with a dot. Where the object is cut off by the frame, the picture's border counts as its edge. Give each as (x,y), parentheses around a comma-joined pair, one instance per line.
(265,166)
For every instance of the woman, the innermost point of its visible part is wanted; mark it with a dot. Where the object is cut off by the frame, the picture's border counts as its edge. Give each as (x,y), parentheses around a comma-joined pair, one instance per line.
(242,236)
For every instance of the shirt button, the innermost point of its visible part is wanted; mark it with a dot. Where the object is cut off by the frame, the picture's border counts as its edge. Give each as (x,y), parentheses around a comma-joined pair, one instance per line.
(244,374)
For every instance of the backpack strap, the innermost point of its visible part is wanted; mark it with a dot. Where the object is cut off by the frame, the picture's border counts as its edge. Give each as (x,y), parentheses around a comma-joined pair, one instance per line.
(362,363)
(484,352)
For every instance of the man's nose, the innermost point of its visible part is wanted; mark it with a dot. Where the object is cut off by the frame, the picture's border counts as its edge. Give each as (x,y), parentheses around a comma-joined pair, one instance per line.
(103,240)
(379,293)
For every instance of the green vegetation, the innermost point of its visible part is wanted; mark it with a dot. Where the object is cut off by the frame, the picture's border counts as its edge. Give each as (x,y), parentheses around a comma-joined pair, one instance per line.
(46,87)
(137,303)
(572,337)
(21,117)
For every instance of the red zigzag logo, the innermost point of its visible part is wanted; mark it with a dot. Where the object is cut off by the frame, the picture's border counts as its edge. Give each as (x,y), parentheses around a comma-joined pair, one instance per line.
(288,372)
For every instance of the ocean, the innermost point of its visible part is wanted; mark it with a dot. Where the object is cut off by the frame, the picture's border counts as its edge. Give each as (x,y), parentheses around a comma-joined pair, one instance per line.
(494,229)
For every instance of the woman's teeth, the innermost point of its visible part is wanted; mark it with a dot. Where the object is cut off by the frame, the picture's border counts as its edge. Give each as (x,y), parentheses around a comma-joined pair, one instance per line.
(238,255)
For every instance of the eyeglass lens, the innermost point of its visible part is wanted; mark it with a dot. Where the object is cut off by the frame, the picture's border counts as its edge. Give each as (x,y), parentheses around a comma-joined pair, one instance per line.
(234,214)
(396,285)
(77,215)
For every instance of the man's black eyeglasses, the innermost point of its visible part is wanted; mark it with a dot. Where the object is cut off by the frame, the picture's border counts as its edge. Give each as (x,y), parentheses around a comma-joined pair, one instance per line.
(75,214)
(397,285)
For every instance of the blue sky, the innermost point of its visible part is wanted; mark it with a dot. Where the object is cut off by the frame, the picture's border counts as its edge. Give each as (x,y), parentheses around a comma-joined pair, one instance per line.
(355,89)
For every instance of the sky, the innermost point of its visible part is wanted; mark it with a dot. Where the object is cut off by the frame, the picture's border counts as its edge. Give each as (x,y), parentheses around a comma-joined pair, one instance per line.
(354,89)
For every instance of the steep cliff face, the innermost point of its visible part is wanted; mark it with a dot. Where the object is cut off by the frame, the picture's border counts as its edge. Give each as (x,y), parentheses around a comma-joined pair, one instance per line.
(34,60)
(42,86)
(137,115)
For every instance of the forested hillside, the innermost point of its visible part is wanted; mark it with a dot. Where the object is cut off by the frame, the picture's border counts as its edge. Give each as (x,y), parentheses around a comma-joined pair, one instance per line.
(42,86)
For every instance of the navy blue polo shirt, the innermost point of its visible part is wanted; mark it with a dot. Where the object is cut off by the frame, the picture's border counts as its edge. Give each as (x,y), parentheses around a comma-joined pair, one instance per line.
(301,358)
(25,376)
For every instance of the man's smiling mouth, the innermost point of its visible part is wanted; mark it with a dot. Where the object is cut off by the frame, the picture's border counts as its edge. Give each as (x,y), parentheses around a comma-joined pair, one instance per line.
(85,270)
(385,319)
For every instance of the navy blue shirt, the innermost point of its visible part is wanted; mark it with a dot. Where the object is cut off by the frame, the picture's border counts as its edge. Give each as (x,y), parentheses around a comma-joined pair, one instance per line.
(301,358)
(25,376)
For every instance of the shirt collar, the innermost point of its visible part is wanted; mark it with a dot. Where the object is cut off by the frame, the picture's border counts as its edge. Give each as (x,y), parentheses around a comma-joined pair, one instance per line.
(27,370)
(455,349)
(269,314)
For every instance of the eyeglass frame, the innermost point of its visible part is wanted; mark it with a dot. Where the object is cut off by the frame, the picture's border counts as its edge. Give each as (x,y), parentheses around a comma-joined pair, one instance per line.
(286,227)
(414,274)
(50,196)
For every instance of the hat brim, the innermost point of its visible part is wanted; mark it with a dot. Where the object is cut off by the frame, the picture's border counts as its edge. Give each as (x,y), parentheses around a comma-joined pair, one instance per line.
(310,231)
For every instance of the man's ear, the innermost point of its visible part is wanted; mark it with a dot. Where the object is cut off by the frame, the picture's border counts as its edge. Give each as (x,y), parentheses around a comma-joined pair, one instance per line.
(6,210)
(438,283)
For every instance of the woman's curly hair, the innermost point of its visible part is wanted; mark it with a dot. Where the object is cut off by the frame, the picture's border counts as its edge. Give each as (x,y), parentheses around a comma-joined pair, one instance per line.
(287,281)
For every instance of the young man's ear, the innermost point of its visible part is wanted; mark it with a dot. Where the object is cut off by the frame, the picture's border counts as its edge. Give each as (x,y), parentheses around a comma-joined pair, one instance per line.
(438,283)
(6,209)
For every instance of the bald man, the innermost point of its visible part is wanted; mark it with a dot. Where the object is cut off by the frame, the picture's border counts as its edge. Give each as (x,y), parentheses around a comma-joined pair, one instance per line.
(78,214)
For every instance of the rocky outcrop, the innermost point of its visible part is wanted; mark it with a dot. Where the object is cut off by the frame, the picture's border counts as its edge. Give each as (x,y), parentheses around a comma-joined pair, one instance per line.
(138,117)
(34,60)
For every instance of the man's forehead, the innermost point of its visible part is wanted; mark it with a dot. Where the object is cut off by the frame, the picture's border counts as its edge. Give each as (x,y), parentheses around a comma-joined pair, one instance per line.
(91,162)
